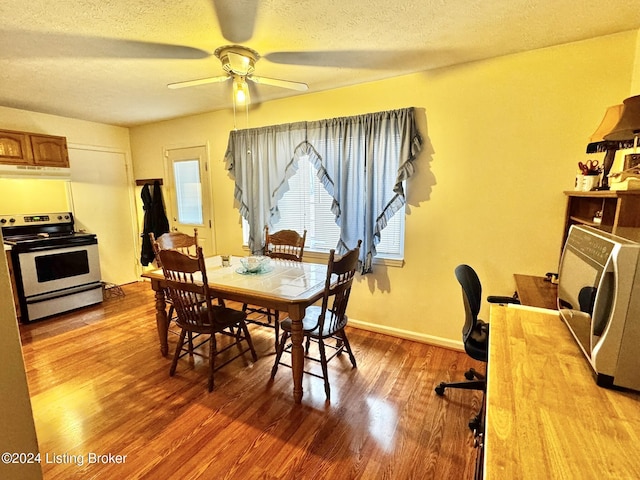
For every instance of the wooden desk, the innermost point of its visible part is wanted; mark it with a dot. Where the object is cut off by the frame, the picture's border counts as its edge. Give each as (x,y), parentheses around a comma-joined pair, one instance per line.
(536,291)
(546,417)
(289,287)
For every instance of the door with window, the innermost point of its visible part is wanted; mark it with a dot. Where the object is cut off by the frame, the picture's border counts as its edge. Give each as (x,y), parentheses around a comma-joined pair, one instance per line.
(189,194)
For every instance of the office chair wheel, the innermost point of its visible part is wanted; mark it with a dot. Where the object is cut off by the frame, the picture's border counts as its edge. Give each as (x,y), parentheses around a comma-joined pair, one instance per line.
(470,374)
(440,389)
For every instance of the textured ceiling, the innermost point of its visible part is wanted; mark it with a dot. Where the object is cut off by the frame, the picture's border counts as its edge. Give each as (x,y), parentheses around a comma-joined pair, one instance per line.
(110,61)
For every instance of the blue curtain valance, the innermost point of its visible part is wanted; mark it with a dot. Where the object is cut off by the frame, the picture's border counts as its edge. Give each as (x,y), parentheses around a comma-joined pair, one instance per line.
(362,161)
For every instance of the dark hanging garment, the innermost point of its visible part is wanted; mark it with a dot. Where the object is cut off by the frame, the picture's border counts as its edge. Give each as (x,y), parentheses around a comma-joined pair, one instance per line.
(155,220)
(146,255)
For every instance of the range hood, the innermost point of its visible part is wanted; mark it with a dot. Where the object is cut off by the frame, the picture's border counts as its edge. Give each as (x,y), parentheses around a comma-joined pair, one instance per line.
(33,171)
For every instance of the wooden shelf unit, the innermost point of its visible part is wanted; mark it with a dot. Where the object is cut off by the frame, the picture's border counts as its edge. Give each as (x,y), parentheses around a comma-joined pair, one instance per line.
(620,212)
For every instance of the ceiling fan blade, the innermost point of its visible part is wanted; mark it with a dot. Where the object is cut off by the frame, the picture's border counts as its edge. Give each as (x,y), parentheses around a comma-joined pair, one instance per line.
(27,44)
(200,81)
(301,87)
(371,59)
(236,18)
(239,63)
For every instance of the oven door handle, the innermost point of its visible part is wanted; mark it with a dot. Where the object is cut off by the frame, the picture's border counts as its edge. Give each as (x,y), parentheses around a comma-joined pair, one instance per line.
(67,244)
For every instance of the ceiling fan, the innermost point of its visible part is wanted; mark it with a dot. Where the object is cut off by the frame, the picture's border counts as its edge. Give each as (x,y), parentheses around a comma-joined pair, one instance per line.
(239,63)
(236,20)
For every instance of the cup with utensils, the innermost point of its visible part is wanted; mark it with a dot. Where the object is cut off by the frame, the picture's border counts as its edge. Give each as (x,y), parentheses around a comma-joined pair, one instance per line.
(589,177)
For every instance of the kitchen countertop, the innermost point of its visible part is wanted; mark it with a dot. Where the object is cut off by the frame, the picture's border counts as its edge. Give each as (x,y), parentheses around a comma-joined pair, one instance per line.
(546,417)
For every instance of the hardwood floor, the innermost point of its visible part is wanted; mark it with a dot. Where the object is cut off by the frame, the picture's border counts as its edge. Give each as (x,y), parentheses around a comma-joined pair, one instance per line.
(99,386)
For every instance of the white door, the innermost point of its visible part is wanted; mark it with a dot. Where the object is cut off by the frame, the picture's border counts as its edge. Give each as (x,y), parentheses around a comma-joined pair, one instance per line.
(190,195)
(102,203)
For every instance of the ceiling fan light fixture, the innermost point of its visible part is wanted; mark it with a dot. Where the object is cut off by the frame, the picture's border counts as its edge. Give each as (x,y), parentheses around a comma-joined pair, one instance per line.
(240,91)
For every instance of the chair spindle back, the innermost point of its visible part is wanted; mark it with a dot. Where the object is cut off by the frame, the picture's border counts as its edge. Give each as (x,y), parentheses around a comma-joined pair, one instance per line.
(285,244)
(340,274)
(187,287)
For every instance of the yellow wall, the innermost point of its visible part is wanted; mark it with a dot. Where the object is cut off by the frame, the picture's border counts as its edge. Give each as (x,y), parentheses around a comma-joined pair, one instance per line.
(635,85)
(21,195)
(502,141)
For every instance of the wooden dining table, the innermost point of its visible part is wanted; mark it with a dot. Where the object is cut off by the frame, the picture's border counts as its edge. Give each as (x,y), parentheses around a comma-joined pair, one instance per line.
(285,286)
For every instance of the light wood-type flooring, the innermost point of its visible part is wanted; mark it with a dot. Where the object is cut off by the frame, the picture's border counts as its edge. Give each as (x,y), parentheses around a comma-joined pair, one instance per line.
(105,406)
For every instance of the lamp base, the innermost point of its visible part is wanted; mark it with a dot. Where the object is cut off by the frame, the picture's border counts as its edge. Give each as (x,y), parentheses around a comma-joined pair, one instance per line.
(609,157)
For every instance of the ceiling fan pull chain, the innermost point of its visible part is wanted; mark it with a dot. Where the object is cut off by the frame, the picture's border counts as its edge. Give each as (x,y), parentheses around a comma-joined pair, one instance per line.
(235,127)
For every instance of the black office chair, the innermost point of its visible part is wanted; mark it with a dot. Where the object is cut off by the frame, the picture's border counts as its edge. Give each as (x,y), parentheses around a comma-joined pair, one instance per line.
(475,335)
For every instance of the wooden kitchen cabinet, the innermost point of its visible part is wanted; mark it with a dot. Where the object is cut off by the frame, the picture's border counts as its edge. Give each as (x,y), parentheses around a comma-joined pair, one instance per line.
(619,212)
(15,148)
(49,151)
(33,149)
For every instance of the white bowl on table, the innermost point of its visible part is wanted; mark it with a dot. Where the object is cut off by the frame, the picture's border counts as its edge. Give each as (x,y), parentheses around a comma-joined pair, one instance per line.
(254,263)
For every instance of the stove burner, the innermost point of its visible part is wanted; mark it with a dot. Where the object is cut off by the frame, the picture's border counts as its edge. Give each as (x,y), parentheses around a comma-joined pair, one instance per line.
(13,239)
(25,232)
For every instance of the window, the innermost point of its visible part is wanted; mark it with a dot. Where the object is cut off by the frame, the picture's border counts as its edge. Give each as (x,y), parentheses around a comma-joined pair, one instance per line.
(188,191)
(307,205)
(364,160)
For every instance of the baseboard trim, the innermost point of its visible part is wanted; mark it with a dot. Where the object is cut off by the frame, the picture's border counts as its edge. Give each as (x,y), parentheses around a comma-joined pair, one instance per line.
(408,335)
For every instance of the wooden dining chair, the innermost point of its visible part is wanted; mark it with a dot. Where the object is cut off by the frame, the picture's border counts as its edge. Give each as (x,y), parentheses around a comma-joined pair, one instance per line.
(188,289)
(326,321)
(286,245)
(175,241)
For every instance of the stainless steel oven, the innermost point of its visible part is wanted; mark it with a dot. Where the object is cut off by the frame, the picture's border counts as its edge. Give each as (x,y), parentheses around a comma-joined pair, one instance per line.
(56,268)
